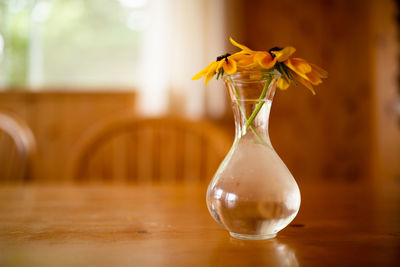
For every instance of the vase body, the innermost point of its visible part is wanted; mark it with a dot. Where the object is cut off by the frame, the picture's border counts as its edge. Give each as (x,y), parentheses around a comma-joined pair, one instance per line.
(253,195)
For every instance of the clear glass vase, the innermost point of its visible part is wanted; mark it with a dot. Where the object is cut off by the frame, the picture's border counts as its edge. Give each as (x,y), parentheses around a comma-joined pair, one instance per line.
(253,194)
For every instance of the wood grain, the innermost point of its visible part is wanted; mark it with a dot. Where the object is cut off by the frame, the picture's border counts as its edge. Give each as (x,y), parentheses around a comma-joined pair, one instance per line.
(338,225)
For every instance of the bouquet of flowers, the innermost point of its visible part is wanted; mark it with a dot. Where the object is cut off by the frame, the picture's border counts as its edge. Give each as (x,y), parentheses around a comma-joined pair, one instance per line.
(292,70)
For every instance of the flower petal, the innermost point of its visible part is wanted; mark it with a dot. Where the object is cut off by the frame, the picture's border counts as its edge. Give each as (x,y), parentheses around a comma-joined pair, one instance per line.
(321,72)
(282,84)
(284,54)
(313,77)
(211,71)
(243,47)
(202,72)
(304,82)
(243,60)
(229,66)
(264,59)
(298,65)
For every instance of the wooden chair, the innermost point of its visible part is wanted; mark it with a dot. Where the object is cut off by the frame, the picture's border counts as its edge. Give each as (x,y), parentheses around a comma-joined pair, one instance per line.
(127,149)
(17,146)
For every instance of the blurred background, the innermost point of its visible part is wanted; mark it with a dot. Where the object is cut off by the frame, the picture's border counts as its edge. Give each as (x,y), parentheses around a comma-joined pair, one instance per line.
(86,82)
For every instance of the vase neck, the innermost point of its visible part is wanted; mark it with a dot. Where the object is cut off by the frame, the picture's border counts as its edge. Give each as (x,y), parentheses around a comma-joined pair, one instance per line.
(252,93)
(258,128)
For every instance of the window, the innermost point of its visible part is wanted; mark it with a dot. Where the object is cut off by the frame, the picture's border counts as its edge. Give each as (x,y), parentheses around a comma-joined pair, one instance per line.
(74,43)
(151,46)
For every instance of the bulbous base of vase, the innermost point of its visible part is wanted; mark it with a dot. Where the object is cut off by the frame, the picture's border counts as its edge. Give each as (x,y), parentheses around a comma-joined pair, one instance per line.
(252,237)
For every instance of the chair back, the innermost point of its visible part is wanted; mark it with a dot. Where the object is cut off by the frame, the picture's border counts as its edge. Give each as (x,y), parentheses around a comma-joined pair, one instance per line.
(162,150)
(17,146)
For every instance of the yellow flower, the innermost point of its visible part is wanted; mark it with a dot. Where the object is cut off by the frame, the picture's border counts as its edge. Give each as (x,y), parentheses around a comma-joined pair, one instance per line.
(226,62)
(249,58)
(244,60)
(304,72)
(291,69)
(283,54)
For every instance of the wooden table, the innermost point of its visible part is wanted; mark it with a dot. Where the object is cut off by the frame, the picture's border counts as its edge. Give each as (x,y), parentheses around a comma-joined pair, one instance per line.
(338,225)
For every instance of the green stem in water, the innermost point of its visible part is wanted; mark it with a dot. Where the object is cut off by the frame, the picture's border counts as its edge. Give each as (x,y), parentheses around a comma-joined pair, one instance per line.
(261,140)
(260,103)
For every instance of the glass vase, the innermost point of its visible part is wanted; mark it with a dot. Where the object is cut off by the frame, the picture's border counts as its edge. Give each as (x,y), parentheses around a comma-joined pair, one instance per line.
(253,195)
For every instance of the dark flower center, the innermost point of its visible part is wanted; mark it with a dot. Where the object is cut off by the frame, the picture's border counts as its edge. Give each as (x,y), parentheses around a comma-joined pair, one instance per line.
(275,48)
(223,57)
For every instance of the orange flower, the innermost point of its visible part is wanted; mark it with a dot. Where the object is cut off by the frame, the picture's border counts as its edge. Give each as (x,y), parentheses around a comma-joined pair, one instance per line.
(304,72)
(282,54)
(249,58)
(291,69)
(228,64)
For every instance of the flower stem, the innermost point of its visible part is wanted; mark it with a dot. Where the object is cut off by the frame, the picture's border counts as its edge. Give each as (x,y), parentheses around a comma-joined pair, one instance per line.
(260,103)
(244,113)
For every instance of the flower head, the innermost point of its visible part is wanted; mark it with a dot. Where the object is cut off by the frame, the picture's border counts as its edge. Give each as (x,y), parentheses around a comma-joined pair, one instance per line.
(250,58)
(226,62)
(292,69)
(302,71)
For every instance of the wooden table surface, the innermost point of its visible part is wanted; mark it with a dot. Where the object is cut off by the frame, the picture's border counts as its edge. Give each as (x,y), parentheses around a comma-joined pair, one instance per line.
(93,225)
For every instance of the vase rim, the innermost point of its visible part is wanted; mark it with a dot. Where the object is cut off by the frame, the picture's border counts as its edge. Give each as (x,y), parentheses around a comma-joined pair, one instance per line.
(251,75)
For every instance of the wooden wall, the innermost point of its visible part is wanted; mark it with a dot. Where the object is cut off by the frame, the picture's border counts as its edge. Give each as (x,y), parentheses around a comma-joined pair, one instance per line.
(385,53)
(331,135)
(59,119)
